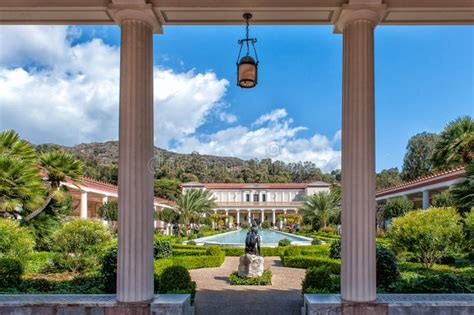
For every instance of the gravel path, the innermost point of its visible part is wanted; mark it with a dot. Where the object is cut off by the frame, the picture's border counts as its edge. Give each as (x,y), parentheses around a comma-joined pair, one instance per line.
(216,296)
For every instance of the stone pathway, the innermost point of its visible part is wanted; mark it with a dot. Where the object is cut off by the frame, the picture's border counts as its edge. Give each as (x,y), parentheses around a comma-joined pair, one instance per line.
(216,296)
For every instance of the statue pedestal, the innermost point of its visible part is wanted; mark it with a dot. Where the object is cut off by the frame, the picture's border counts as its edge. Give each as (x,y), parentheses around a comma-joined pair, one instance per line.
(250,266)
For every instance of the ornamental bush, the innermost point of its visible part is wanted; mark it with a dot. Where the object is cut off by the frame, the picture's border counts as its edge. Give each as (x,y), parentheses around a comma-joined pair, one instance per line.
(81,242)
(176,279)
(396,207)
(244,225)
(15,241)
(319,280)
(387,267)
(162,248)
(306,262)
(265,279)
(108,270)
(213,251)
(284,242)
(11,271)
(265,225)
(316,241)
(427,234)
(335,250)
(469,230)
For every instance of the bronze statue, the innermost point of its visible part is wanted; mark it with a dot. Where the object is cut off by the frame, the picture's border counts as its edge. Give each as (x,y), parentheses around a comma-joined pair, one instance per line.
(252,241)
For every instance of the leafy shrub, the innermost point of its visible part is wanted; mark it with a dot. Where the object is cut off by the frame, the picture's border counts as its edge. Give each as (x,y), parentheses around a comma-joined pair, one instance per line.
(192,237)
(245,225)
(36,262)
(387,267)
(81,284)
(109,270)
(328,229)
(469,229)
(11,271)
(316,241)
(292,251)
(162,248)
(306,262)
(446,260)
(396,207)
(189,262)
(265,225)
(15,241)
(81,241)
(335,251)
(176,279)
(319,280)
(109,211)
(234,251)
(189,252)
(443,199)
(191,243)
(37,286)
(270,251)
(265,279)
(213,251)
(415,233)
(284,242)
(442,283)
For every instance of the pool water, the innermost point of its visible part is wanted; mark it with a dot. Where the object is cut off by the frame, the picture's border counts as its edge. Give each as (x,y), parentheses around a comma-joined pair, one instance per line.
(237,238)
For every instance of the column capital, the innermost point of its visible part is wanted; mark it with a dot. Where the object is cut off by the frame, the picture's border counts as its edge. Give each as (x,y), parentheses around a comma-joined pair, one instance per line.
(139,12)
(353,12)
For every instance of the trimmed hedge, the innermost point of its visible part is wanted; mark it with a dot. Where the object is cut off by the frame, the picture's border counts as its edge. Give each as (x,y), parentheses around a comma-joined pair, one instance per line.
(162,248)
(189,252)
(189,262)
(320,280)
(265,279)
(11,271)
(176,279)
(306,262)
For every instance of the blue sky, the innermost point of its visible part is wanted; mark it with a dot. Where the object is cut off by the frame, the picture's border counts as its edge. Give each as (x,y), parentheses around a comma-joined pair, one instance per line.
(424,78)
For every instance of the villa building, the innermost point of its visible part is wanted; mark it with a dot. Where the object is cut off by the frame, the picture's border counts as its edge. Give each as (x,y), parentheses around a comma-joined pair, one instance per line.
(241,202)
(421,190)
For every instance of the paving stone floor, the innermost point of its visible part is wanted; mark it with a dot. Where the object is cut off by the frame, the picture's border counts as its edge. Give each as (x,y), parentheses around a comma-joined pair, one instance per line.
(216,296)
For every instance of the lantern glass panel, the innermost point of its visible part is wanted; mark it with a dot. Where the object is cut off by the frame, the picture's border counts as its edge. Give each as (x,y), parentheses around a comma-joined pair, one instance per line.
(247,75)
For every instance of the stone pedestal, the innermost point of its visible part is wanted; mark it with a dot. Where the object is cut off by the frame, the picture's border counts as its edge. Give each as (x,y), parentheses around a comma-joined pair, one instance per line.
(250,266)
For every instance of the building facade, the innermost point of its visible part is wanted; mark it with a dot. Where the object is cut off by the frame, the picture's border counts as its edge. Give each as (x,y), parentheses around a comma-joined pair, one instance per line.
(242,202)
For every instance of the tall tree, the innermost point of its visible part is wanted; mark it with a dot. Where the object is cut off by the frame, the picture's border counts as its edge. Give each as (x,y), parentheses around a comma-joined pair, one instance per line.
(456,144)
(388,178)
(167,188)
(321,206)
(193,204)
(417,161)
(463,192)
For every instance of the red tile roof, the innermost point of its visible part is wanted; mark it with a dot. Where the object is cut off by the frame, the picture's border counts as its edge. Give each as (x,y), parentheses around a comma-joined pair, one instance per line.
(426,179)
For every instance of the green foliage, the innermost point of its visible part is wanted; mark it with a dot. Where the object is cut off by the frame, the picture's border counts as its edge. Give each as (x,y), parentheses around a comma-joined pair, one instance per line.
(284,242)
(80,241)
(189,262)
(176,279)
(316,241)
(193,204)
(443,199)
(320,280)
(59,165)
(15,241)
(290,251)
(388,178)
(321,206)
(417,161)
(463,192)
(387,267)
(441,283)
(306,262)
(245,225)
(428,234)
(396,207)
(469,229)
(265,279)
(109,211)
(213,251)
(108,270)
(167,188)
(189,252)
(456,144)
(265,225)
(328,230)
(11,271)
(36,262)
(162,248)
(168,215)
(335,251)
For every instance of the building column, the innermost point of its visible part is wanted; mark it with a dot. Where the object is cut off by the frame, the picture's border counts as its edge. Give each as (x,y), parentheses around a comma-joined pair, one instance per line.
(273,217)
(250,216)
(84,204)
(238,217)
(227,217)
(284,220)
(263,216)
(358,155)
(426,199)
(135,188)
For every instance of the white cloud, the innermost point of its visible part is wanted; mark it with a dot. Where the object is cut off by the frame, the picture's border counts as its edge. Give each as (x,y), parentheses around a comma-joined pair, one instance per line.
(54,91)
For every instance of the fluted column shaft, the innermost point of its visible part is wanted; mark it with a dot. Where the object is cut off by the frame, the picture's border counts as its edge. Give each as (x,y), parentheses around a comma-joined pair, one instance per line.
(135,195)
(358,163)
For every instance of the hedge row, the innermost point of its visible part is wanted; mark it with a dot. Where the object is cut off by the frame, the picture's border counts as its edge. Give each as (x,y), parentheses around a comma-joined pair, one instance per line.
(193,250)
(311,261)
(189,262)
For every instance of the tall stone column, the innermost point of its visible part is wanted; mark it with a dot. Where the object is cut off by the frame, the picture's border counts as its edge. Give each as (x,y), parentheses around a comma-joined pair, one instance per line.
(84,204)
(273,217)
(358,154)
(426,199)
(135,182)
(238,217)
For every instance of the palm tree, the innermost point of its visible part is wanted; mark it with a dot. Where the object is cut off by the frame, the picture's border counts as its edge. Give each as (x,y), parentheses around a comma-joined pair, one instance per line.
(463,192)
(193,204)
(21,186)
(456,144)
(321,205)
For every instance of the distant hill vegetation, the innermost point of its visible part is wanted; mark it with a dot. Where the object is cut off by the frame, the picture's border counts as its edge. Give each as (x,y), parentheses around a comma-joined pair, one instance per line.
(101,163)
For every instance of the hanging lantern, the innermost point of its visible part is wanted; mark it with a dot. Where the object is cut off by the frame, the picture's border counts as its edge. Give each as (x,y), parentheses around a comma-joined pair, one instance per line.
(247,66)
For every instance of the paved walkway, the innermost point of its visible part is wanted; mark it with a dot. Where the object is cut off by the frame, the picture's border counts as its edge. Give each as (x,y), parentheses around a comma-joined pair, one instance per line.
(216,296)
